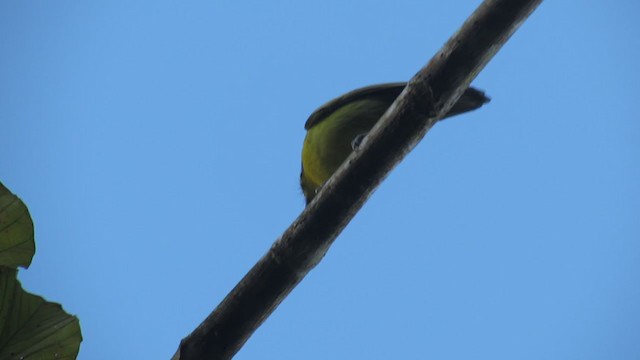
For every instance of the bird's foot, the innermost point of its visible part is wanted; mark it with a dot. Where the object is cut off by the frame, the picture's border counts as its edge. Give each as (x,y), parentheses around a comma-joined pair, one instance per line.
(357,141)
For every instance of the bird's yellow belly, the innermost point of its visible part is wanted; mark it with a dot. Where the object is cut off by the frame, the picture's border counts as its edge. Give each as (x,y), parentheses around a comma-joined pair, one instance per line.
(328,143)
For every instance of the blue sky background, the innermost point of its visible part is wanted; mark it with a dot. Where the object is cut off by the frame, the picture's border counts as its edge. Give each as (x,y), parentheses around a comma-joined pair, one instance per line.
(157,146)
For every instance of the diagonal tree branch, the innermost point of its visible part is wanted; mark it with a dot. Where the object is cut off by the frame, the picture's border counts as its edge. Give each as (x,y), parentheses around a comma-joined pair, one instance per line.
(427,97)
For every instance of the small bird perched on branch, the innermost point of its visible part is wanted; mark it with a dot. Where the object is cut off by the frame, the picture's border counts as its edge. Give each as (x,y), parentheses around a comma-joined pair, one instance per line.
(336,128)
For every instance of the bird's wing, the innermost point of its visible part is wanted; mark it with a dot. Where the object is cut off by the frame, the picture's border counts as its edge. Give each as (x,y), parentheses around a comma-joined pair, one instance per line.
(471,99)
(390,90)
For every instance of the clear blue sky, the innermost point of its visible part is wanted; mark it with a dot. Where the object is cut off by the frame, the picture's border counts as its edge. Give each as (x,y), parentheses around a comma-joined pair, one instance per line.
(157,145)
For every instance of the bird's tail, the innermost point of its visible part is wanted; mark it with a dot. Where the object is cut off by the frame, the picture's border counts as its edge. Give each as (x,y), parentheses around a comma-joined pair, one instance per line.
(471,99)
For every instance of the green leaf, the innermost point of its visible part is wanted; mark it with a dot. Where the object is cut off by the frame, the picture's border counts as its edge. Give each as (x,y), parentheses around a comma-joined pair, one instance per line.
(16,231)
(32,328)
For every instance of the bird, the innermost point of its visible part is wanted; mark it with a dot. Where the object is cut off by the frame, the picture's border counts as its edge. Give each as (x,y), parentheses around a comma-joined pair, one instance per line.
(336,128)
